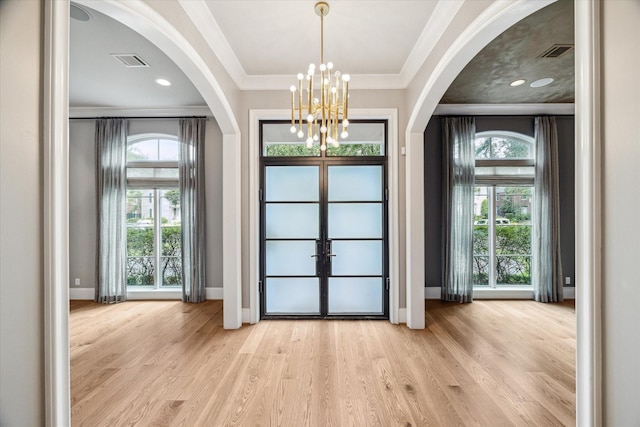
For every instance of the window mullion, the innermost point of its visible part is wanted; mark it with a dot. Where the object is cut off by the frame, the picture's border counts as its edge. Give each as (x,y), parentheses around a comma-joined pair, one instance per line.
(157,238)
(492,236)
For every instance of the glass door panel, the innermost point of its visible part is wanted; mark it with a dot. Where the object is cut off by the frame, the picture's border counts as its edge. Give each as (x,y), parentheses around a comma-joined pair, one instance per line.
(355,183)
(363,220)
(353,295)
(299,295)
(290,258)
(355,240)
(357,257)
(291,222)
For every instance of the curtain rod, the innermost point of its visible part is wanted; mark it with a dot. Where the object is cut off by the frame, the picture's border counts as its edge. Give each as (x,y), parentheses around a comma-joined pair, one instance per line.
(140,117)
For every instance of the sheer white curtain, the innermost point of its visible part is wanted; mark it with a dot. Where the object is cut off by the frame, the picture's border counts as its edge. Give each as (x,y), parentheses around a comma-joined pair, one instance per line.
(111,190)
(458,180)
(546,266)
(192,203)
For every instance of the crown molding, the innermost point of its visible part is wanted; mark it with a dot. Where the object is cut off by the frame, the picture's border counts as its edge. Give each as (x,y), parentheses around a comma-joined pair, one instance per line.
(503,109)
(91,112)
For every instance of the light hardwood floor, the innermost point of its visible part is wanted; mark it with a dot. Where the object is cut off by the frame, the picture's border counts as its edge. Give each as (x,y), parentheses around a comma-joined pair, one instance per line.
(489,363)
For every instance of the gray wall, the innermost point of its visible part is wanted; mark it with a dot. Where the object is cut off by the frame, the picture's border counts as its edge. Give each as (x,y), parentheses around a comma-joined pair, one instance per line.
(21,267)
(433,187)
(82,203)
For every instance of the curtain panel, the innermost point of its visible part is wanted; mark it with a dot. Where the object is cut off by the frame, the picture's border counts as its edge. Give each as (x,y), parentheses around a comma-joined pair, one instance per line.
(546,263)
(192,203)
(111,190)
(458,181)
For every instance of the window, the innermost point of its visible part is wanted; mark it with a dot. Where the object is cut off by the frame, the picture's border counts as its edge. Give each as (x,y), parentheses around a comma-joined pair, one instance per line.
(154,251)
(366,139)
(502,209)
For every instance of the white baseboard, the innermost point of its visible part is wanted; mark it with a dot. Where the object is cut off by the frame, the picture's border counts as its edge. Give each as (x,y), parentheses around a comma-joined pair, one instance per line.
(246,315)
(214,293)
(89,294)
(569,292)
(500,293)
(82,293)
(432,293)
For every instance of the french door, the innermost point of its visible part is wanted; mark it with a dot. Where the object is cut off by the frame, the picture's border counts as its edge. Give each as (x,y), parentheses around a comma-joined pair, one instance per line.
(323,238)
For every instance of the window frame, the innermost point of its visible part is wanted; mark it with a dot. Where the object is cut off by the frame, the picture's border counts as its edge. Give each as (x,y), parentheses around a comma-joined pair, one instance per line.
(156,185)
(491,182)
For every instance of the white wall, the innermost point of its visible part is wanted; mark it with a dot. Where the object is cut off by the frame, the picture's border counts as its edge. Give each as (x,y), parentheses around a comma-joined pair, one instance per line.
(82,203)
(621,208)
(21,268)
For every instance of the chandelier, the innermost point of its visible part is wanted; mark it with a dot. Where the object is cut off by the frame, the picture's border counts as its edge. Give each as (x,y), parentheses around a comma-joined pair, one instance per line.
(320,115)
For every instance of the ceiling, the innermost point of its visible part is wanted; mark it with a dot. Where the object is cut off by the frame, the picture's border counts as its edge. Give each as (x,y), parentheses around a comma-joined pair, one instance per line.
(374,44)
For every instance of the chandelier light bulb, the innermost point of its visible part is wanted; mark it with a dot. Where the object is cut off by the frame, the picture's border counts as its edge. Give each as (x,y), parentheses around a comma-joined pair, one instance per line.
(344,134)
(323,129)
(309,142)
(336,144)
(330,65)
(312,66)
(293,129)
(300,134)
(293,89)
(323,147)
(323,67)
(345,123)
(330,140)
(309,118)
(346,77)
(316,137)
(300,76)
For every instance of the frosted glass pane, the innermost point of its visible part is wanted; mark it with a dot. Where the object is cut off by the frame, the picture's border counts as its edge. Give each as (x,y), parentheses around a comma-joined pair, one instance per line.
(292,184)
(355,295)
(291,296)
(290,258)
(355,220)
(356,257)
(355,183)
(292,220)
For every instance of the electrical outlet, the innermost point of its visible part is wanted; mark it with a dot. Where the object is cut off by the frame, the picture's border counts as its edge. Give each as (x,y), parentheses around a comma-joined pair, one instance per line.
(77,283)
(567,280)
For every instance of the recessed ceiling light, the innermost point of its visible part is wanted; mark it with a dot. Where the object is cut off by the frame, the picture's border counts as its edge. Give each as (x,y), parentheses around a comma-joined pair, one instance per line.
(517,83)
(541,82)
(163,82)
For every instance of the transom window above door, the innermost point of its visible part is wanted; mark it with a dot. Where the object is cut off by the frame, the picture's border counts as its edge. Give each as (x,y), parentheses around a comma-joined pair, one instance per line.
(366,139)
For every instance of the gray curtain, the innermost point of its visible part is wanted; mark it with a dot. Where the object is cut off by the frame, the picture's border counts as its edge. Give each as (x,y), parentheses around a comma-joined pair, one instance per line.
(192,205)
(546,267)
(458,180)
(111,190)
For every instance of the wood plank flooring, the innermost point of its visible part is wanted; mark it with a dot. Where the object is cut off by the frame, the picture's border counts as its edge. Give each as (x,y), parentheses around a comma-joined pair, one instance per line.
(165,363)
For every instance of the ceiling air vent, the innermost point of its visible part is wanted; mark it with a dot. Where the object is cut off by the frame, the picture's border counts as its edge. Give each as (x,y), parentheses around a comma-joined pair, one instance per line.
(130,60)
(556,51)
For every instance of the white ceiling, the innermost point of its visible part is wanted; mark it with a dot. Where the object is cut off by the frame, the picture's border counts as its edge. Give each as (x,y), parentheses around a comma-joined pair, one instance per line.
(266,43)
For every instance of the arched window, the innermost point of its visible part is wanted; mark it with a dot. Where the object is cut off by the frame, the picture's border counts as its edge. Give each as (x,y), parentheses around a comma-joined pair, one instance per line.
(503,200)
(154,251)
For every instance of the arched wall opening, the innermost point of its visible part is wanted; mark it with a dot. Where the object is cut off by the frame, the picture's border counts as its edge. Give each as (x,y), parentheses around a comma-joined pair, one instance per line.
(145,21)
(588,179)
